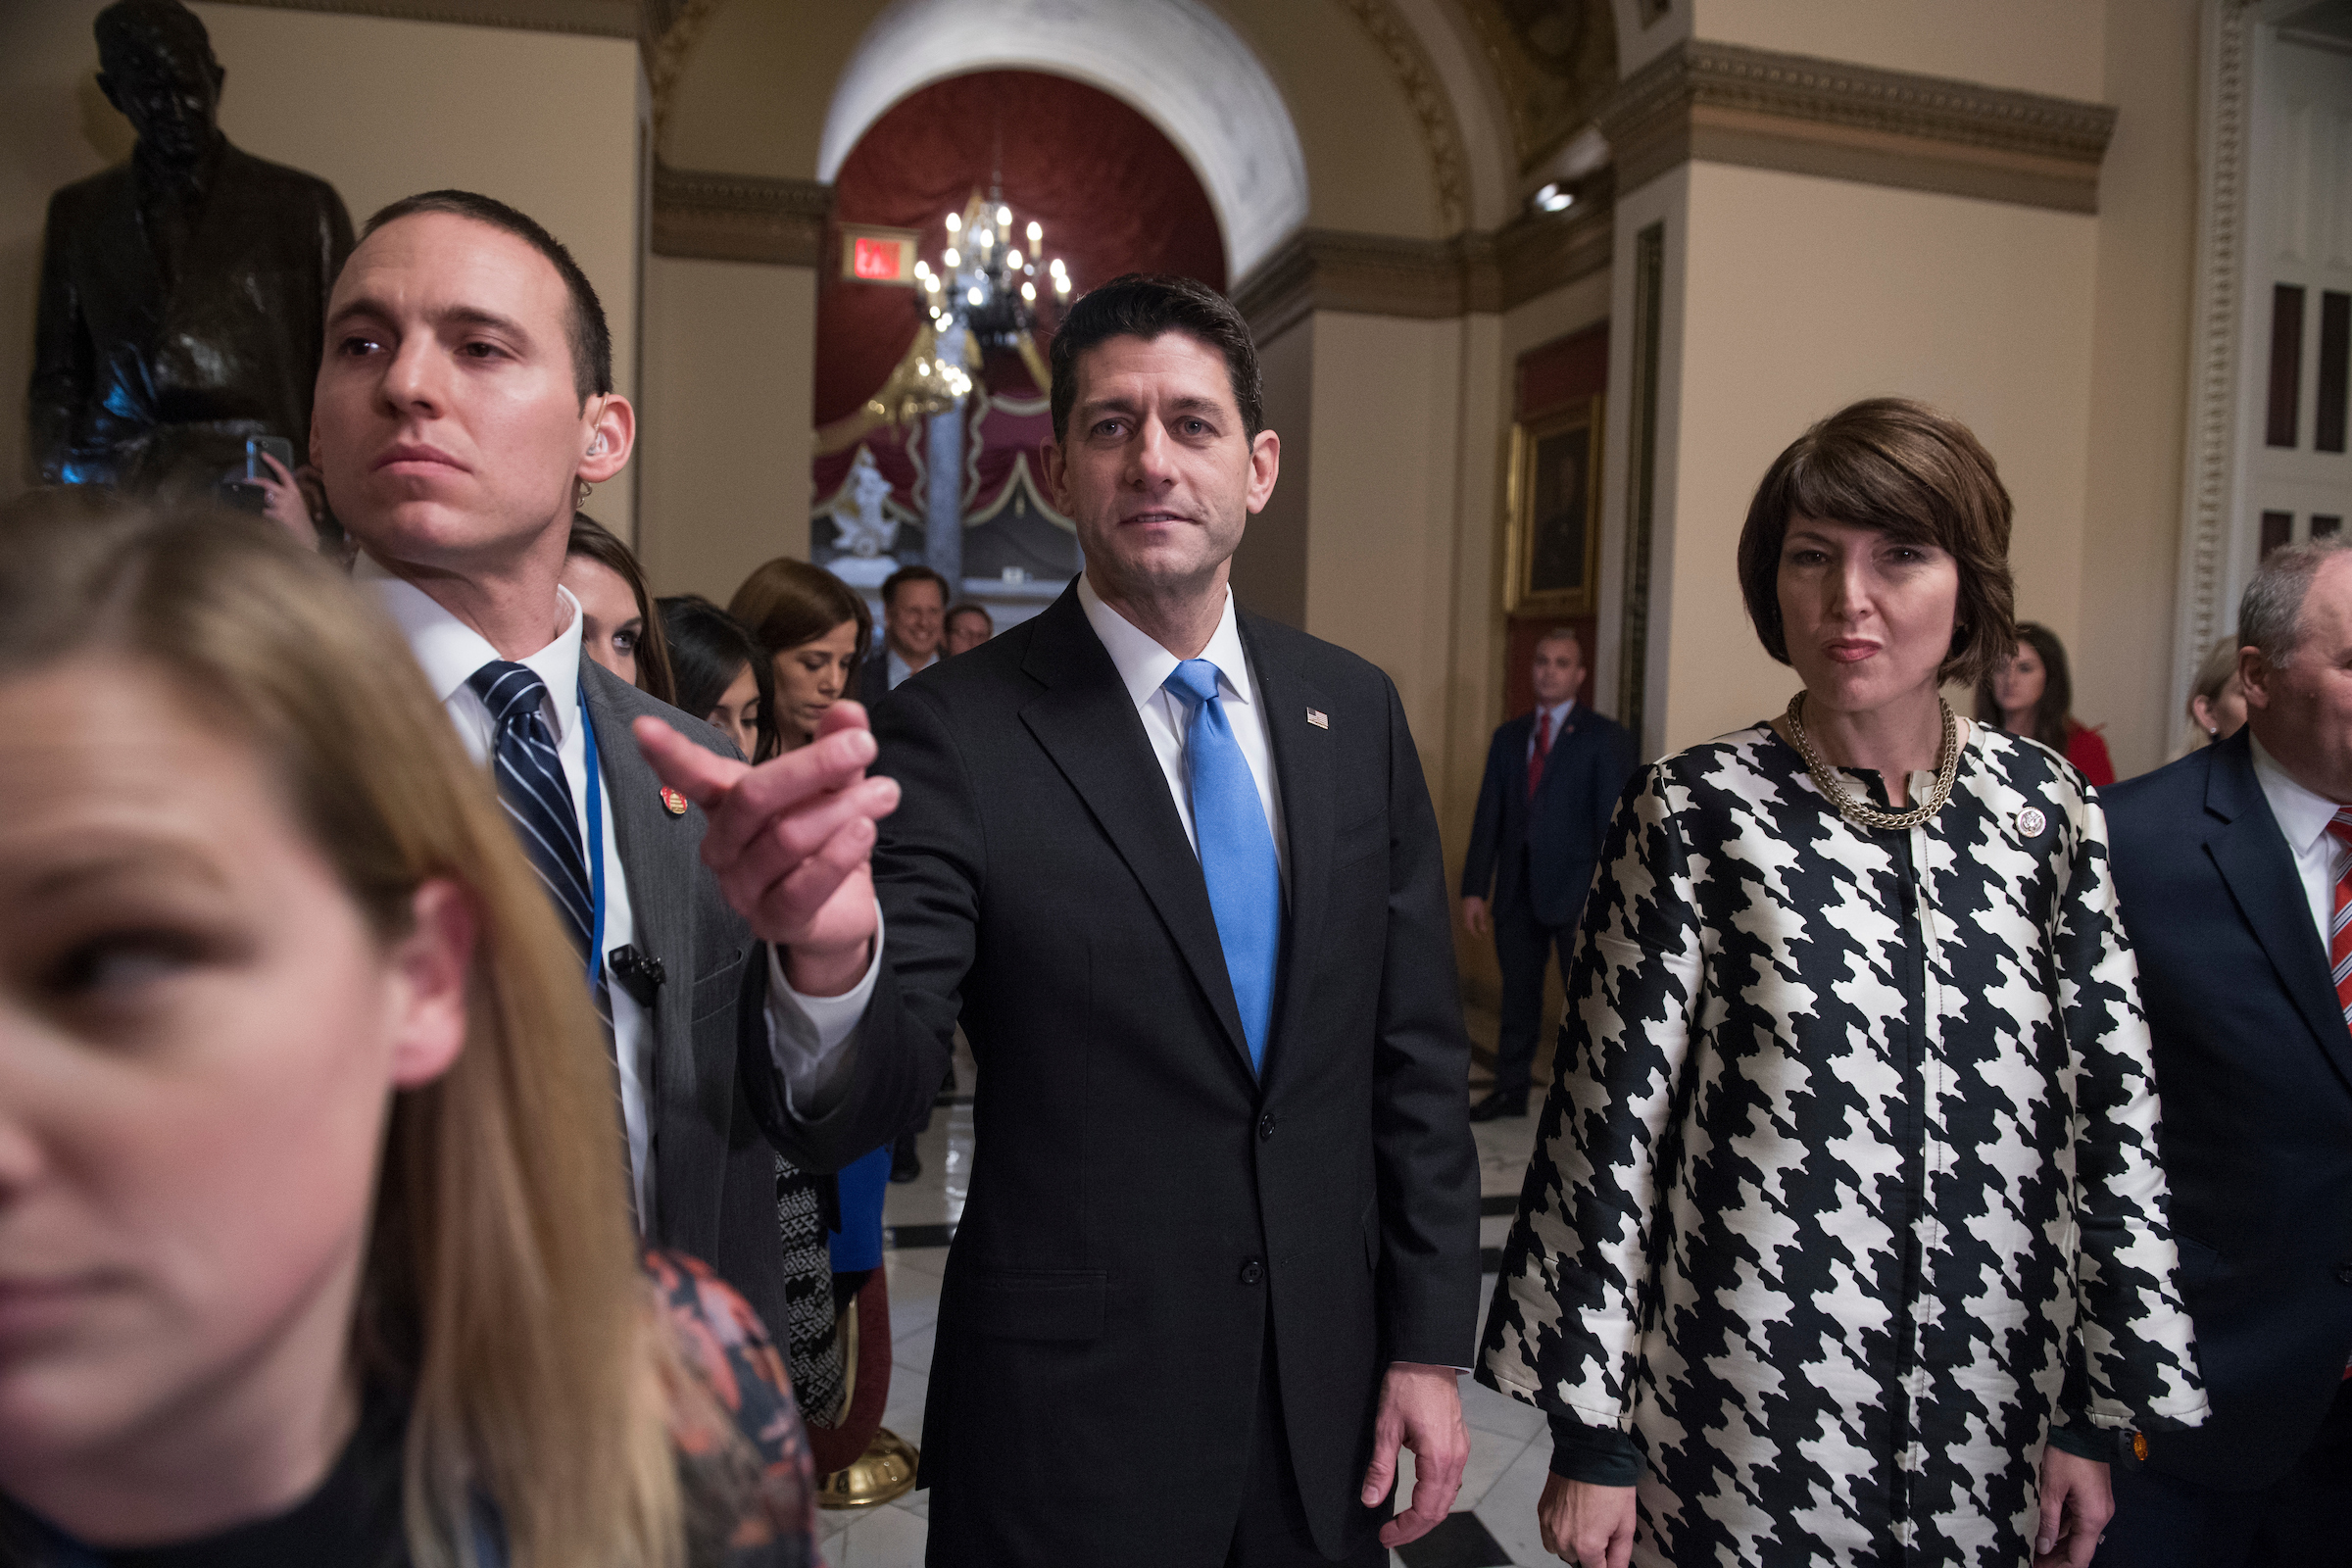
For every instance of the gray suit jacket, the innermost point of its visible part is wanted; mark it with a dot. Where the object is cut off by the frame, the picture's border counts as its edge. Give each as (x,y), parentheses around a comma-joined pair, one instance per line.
(714,1174)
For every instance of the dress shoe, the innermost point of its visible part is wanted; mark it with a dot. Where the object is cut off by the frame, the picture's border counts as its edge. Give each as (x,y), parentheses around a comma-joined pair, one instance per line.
(1502,1102)
(906,1164)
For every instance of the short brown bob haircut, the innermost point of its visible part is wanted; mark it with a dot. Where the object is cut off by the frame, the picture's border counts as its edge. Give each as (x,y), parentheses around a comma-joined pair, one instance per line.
(1920,475)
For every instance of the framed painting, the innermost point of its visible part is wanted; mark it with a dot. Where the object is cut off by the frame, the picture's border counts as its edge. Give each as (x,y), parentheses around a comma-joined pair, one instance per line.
(1552,515)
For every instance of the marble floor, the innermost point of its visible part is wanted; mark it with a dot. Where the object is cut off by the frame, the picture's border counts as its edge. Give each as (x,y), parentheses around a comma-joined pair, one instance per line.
(1494,1519)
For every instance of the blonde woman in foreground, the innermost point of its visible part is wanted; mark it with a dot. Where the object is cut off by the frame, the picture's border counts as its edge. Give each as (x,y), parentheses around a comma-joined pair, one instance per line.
(308,1246)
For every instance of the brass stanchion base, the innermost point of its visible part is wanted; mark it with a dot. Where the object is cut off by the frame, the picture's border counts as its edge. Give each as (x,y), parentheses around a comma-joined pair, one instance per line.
(885,1471)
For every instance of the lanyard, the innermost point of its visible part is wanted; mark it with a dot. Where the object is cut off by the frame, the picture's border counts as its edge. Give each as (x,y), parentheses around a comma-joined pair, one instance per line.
(596,848)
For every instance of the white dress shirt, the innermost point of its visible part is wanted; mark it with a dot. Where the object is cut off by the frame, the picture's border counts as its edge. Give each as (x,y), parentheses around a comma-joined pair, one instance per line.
(898,669)
(450,650)
(811,1058)
(1144,666)
(2303,817)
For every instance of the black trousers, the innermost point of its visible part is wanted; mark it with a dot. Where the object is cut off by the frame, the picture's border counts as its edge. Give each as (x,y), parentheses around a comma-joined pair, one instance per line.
(2301,1520)
(1523,947)
(1272,1531)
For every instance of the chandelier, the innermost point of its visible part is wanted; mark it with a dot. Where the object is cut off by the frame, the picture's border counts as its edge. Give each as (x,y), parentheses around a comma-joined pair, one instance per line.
(991,281)
(986,294)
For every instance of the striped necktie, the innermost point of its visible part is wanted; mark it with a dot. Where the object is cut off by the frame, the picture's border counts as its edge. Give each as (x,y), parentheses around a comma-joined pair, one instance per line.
(1236,852)
(538,801)
(532,788)
(2339,923)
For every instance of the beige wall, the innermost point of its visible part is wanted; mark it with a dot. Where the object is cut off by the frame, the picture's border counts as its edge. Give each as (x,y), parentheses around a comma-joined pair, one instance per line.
(726,442)
(1381,515)
(384,109)
(2050,46)
(1269,570)
(379,108)
(753,94)
(2123,651)
(1981,309)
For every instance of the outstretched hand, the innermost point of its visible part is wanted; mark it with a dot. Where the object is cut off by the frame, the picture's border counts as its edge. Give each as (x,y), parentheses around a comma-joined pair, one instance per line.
(791,841)
(1420,1409)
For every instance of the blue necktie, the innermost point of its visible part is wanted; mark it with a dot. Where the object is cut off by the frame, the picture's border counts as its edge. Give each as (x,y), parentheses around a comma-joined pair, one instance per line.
(531,786)
(1236,852)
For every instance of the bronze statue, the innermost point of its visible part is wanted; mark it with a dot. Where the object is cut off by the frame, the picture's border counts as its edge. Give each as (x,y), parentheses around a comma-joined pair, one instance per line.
(184,293)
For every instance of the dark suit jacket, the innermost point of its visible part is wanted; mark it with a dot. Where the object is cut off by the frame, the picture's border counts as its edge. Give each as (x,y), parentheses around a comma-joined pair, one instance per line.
(1561,829)
(1141,1204)
(133,379)
(714,1174)
(2254,1066)
(873,676)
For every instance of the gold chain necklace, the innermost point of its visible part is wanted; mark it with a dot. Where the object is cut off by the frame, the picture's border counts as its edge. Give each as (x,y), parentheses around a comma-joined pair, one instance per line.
(1860,812)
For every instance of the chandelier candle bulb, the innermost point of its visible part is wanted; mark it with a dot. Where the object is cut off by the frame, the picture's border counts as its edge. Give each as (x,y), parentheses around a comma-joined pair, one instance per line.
(1036,235)
(1029,293)
(951,259)
(1012,259)
(955,223)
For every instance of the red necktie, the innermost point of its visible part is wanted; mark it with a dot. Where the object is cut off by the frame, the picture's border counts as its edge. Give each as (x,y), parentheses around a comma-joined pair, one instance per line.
(2340,925)
(2339,929)
(1536,758)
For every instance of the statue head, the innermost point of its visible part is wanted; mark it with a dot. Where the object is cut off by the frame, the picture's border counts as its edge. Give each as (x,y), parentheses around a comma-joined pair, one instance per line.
(156,65)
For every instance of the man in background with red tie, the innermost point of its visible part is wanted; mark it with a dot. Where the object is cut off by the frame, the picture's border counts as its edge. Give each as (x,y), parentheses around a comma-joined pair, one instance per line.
(1552,780)
(2234,869)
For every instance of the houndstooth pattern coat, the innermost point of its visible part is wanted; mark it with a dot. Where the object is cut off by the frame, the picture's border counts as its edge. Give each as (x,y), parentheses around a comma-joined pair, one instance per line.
(1847,1182)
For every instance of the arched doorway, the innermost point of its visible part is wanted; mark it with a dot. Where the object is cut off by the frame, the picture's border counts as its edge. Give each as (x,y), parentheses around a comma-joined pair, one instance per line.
(1176,62)
(1111,195)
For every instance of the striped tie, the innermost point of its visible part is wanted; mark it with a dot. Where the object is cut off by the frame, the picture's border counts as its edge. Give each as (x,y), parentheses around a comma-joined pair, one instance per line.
(531,785)
(2340,925)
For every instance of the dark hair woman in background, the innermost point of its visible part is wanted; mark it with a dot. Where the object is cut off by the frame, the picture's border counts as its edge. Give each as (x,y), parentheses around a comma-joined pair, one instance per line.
(2031,693)
(722,675)
(815,630)
(621,629)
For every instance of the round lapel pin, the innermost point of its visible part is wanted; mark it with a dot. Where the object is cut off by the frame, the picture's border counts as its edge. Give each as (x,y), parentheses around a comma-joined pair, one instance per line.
(2030,821)
(672,801)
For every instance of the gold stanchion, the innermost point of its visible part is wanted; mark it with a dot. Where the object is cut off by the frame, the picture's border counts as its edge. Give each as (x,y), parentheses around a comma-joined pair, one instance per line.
(885,1471)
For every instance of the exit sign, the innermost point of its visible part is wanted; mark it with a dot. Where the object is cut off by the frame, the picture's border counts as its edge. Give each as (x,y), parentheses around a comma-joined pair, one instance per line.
(871,255)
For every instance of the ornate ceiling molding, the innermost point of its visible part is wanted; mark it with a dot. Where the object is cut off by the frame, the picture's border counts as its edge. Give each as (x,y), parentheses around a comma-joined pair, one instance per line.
(673,29)
(1414,74)
(598,18)
(1547,97)
(1720,103)
(739,217)
(1379,275)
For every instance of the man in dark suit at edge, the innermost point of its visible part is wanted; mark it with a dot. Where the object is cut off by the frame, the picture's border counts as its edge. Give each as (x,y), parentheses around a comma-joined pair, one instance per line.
(1552,780)
(1175,868)
(466,391)
(2235,870)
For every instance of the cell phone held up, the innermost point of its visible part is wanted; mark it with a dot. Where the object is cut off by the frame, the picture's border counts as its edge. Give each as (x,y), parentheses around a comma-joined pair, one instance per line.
(241,489)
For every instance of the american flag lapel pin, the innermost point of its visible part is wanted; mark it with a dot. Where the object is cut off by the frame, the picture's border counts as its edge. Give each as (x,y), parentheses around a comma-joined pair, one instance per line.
(1319,718)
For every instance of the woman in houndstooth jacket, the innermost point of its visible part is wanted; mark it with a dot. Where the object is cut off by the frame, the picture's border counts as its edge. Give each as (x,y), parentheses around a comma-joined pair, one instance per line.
(1845,1226)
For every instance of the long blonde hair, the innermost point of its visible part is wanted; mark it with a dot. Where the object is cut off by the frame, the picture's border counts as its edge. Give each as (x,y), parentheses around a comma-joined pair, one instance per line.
(501,1293)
